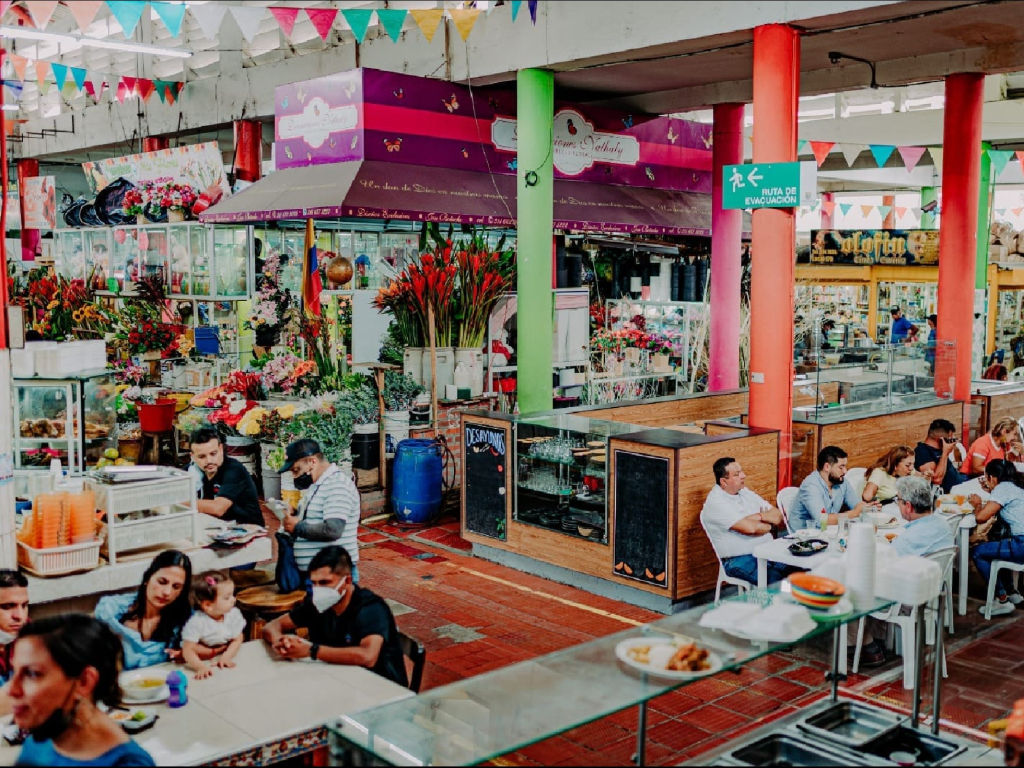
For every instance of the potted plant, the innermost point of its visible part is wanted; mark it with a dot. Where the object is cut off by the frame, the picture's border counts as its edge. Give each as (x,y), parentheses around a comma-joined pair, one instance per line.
(361,403)
(399,393)
(331,427)
(660,347)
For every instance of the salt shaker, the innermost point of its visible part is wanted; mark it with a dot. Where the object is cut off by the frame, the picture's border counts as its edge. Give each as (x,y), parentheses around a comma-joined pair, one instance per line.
(178,685)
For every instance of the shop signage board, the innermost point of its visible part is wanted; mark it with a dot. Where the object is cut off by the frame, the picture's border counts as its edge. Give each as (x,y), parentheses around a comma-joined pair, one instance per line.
(768,185)
(867,247)
(40,203)
(199,165)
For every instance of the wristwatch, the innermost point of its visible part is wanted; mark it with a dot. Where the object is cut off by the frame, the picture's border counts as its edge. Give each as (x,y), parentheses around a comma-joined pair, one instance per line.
(314,649)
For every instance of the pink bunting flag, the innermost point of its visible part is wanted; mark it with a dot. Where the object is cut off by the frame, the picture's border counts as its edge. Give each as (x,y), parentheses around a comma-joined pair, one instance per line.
(821,150)
(4,5)
(42,11)
(122,91)
(42,71)
(900,211)
(323,20)
(145,88)
(1017,211)
(84,12)
(1020,156)
(867,210)
(828,206)
(911,156)
(285,18)
(19,63)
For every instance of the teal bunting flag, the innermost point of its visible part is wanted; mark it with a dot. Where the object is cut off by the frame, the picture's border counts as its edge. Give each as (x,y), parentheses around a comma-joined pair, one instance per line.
(172,15)
(79,75)
(882,153)
(885,210)
(392,20)
(515,9)
(128,13)
(60,74)
(845,208)
(999,158)
(359,20)
(161,89)
(801,145)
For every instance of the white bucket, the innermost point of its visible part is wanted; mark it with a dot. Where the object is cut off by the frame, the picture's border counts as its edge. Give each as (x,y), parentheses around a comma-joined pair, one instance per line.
(412,363)
(23,365)
(445,367)
(474,361)
(396,429)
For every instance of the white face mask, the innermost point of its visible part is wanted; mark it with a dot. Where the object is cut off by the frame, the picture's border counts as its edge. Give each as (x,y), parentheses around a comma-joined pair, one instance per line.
(325,598)
(6,638)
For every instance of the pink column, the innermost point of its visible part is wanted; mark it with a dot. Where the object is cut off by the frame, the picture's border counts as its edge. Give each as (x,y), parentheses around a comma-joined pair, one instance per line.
(726,252)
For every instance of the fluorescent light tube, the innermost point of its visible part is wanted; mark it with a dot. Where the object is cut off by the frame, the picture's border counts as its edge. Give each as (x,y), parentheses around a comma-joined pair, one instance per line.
(24,33)
(10,107)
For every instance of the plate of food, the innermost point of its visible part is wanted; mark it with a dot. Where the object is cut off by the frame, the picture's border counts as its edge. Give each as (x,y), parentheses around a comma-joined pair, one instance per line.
(808,547)
(133,720)
(142,687)
(668,658)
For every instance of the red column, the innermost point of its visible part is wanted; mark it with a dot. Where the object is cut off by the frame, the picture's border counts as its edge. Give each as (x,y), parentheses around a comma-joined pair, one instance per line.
(776,101)
(726,254)
(961,179)
(3,218)
(826,215)
(30,238)
(248,150)
(889,222)
(155,143)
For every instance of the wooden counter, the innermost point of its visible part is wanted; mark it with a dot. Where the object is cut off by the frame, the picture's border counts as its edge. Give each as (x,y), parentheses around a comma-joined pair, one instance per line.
(671,411)
(994,401)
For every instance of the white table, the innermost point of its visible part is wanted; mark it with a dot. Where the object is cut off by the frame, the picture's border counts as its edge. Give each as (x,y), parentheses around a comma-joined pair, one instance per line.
(262,711)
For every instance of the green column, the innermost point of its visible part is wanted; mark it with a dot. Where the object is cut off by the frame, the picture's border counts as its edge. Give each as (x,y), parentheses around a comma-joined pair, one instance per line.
(928,194)
(984,212)
(534,216)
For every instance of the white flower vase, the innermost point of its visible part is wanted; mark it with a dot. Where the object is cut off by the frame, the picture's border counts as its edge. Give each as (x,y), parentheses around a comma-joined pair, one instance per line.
(445,357)
(632,356)
(412,363)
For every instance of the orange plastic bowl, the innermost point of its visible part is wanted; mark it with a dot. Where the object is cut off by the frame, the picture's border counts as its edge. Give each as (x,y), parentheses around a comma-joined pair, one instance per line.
(815,591)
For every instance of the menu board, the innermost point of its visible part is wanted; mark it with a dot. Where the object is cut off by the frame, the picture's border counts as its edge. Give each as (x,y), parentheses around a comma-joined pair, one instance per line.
(641,517)
(485,478)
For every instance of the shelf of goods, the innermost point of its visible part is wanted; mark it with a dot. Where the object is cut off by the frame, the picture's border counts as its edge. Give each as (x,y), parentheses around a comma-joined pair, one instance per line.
(917,300)
(146,513)
(847,305)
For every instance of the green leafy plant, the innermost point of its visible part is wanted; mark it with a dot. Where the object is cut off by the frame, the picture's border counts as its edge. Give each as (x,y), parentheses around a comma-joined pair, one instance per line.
(399,391)
(332,430)
(275,459)
(361,404)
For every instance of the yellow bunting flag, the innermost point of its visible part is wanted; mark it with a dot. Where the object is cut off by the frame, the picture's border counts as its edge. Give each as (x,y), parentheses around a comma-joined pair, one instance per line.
(464,19)
(428,21)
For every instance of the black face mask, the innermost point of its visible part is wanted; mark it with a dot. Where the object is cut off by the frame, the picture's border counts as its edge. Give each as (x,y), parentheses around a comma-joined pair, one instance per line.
(302,482)
(59,721)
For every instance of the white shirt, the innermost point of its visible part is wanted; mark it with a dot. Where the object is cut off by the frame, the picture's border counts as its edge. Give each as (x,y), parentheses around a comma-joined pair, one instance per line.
(212,633)
(334,495)
(722,511)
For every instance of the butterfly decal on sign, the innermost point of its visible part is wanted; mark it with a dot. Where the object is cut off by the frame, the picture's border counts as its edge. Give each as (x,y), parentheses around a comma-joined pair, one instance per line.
(628,121)
(649,173)
(708,140)
(399,94)
(333,142)
(465,152)
(355,140)
(452,104)
(288,153)
(513,164)
(672,135)
(284,102)
(301,95)
(349,89)
(393,145)
(571,127)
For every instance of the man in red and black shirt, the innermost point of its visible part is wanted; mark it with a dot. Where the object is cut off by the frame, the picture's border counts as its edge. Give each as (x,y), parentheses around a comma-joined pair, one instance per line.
(13,616)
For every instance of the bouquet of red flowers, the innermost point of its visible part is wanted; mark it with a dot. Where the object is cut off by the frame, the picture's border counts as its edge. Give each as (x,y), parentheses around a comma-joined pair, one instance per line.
(149,336)
(245,385)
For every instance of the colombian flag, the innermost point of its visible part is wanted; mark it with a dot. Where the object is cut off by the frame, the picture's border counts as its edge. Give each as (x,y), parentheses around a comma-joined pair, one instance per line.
(311,284)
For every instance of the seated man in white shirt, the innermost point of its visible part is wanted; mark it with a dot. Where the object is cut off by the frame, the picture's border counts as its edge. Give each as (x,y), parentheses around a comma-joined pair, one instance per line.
(736,520)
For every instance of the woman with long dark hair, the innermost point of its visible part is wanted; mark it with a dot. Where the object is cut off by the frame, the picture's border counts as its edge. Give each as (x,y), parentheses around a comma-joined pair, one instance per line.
(149,622)
(880,484)
(1006,486)
(63,667)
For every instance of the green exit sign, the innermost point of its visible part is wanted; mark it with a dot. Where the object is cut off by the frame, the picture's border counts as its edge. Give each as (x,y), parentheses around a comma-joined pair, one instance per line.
(769,185)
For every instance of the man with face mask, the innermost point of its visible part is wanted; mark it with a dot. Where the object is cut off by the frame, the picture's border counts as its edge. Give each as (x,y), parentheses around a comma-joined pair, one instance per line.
(347,624)
(13,616)
(826,493)
(329,510)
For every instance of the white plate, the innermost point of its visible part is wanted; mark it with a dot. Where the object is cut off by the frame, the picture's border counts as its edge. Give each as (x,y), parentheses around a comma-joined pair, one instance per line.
(888,526)
(621,652)
(124,718)
(125,680)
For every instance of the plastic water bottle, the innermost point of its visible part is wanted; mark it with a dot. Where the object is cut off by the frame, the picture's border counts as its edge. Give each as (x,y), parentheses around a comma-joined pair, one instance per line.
(178,685)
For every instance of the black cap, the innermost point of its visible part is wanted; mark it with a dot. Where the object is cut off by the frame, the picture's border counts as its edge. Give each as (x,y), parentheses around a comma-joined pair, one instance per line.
(300,449)
(894,310)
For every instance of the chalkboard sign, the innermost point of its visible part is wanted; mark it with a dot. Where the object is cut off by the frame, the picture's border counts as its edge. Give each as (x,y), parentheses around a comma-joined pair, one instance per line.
(641,518)
(485,479)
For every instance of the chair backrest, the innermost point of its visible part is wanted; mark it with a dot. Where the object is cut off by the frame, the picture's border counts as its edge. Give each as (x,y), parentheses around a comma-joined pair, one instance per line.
(954,523)
(857,478)
(944,557)
(1017,373)
(417,654)
(786,498)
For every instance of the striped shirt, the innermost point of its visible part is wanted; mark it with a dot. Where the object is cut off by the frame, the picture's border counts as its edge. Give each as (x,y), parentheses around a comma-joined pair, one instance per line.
(334,495)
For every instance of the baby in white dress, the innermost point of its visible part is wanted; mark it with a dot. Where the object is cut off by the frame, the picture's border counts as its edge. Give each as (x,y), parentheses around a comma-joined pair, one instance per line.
(216,629)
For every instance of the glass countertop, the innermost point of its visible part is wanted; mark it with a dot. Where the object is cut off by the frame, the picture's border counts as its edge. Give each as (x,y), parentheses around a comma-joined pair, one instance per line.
(483,717)
(581,424)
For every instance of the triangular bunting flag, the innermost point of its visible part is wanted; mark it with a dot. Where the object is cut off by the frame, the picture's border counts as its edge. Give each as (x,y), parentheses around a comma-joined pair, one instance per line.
(999,158)
(1020,157)
(851,152)
(179,87)
(1000,212)
(5,4)
(60,74)
(44,86)
(845,208)
(79,76)
(122,91)
(160,87)
(867,210)
(130,84)
(911,156)
(171,14)
(900,211)
(885,210)
(532,5)
(801,145)
(882,153)
(285,18)
(127,13)
(84,12)
(464,19)
(428,21)
(936,153)
(42,11)
(358,19)
(490,7)
(95,86)
(1017,211)
(19,63)
(69,91)
(515,9)
(16,88)
(209,18)
(828,206)
(170,94)
(323,20)
(42,71)
(392,20)
(248,20)
(145,87)
(821,150)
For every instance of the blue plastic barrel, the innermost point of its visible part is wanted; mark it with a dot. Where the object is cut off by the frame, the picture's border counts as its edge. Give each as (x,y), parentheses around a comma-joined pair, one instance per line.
(416,487)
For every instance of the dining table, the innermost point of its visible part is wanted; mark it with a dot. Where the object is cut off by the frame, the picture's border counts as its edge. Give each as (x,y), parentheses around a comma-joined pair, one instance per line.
(262,711)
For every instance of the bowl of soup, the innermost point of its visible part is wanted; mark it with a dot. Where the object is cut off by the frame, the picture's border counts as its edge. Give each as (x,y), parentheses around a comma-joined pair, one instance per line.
(141,685)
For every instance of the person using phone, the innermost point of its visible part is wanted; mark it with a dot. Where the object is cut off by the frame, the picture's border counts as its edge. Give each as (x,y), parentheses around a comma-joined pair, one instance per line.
(934,457)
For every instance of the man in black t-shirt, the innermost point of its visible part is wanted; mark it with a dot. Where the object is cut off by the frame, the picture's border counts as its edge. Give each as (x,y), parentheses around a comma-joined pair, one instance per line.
(228,490)
(934,458)
(347,624)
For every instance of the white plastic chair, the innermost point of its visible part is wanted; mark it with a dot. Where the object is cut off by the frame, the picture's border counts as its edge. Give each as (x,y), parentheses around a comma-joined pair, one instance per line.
(954,527)
(785,500)
(998,565)
(1017,374)
(908,624)
(724,578)
(857,478)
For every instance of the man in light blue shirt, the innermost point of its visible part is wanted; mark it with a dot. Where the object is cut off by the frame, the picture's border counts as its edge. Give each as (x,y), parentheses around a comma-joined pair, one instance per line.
(826,491)
(925,531)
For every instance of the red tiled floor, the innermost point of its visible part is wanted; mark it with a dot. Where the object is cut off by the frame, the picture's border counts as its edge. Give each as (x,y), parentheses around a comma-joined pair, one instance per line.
(714,719)
(750,703)
(807,675)
(677,735)
(780,688)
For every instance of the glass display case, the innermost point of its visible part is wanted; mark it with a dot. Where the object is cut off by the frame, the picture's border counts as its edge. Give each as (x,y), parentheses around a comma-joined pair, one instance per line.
(231,275)
(189,260)
(561,469)
(72,419)
(917,300)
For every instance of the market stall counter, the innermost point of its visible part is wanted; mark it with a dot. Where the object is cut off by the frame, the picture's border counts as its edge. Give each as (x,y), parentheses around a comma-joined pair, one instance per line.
(993,401)
(229,720)
(610,507)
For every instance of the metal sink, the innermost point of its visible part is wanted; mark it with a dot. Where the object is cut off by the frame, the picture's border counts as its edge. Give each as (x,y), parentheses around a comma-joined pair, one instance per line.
(850,723)
(785,749)
(929,749)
